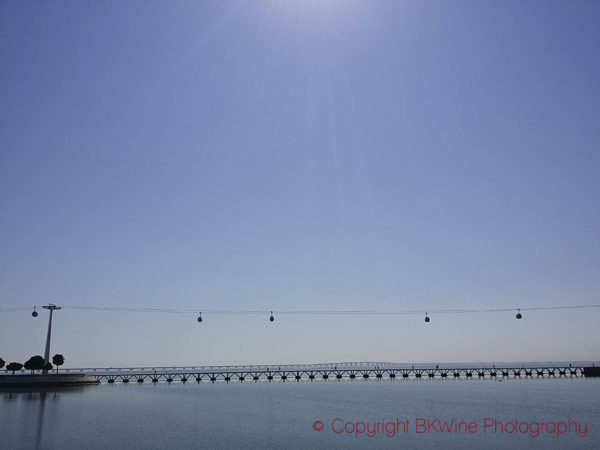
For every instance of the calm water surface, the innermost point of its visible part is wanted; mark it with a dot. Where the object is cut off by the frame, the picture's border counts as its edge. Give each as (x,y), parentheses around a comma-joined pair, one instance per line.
(282,415)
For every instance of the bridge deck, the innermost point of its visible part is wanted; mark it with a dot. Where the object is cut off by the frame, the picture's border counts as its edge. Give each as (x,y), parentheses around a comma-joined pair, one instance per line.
(345,371)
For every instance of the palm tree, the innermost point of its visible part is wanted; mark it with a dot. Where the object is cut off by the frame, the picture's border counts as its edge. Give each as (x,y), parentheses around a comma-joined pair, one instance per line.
(58,360)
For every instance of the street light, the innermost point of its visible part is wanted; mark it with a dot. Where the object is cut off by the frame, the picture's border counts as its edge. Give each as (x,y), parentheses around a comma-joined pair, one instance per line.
(52,308)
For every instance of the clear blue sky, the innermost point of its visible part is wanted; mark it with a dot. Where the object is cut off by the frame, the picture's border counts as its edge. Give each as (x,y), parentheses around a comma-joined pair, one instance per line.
(300,155)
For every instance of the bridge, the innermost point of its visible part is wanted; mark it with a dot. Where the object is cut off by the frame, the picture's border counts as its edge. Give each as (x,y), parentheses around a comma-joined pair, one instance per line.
(329,371)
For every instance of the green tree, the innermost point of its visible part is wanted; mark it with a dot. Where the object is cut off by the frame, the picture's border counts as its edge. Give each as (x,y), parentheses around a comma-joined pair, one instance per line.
(14,366)
(58,360)
(34,363)
(1,363)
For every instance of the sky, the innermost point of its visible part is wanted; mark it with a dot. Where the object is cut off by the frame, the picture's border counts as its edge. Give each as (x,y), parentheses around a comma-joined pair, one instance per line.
(300,155)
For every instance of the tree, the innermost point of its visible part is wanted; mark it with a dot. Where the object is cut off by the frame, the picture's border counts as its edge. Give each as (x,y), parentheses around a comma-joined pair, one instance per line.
(58,360)
(34,363)
(1,363)
(14,366)
(47,366)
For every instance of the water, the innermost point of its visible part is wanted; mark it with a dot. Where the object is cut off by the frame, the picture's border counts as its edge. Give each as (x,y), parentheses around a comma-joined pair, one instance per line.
(281,415)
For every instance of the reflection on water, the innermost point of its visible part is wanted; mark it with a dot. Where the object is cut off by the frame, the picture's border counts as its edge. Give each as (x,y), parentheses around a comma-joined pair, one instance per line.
(36,393)
(40,423)
(38,403)
(39,398)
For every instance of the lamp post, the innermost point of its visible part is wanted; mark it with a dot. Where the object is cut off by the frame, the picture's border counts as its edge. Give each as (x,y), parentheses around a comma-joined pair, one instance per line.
(52,308)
